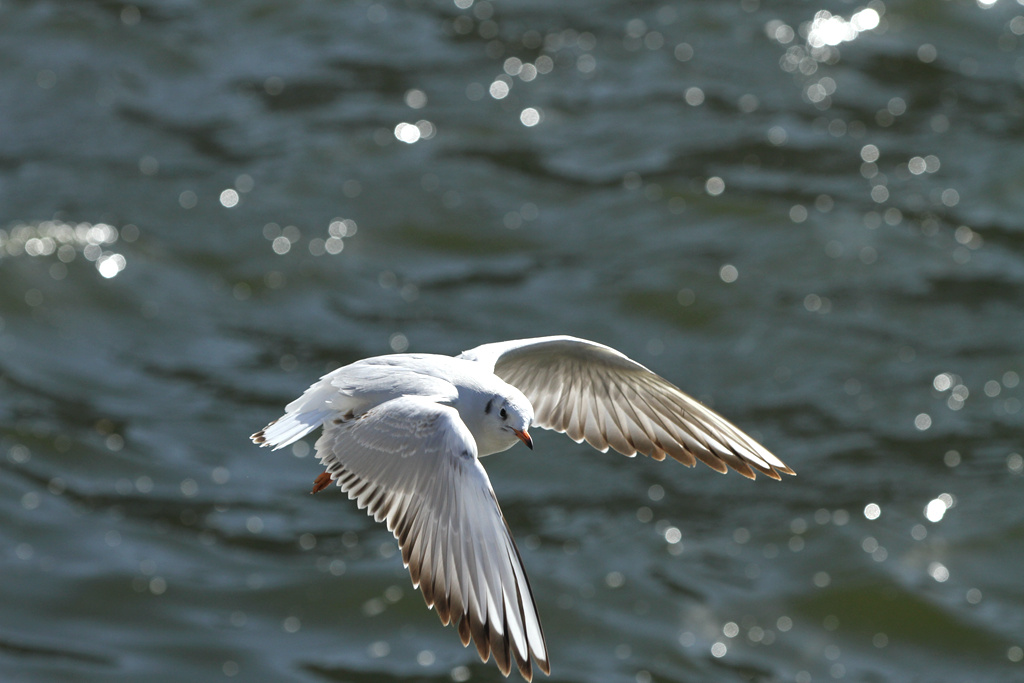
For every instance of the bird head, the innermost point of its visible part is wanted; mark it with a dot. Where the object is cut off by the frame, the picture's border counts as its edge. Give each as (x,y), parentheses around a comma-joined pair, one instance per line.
(507,417)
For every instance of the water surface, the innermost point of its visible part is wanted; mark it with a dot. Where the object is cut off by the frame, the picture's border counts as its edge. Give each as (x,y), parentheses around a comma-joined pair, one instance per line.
(807,215)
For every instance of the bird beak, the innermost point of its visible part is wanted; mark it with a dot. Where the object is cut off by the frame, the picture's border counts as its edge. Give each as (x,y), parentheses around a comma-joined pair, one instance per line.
(524,436)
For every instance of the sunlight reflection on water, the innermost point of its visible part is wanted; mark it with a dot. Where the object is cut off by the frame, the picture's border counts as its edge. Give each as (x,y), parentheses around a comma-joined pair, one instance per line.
(810,214)
(66,241)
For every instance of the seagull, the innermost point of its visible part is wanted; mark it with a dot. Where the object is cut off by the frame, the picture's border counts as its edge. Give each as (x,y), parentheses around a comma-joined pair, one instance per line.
(403,435)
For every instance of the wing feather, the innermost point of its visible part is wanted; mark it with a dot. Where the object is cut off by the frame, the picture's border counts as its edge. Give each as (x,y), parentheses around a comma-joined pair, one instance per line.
(410,462)
(592,392)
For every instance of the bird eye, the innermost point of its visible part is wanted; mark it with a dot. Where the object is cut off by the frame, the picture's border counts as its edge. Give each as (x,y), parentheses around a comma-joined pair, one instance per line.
(503,413)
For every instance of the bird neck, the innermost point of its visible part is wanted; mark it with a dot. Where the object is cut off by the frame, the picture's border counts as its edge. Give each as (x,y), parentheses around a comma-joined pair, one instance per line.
(489,437)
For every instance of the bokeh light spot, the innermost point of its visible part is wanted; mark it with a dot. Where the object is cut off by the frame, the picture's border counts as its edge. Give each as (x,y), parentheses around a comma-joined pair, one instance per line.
(530,117)
(415,98)
(499,90)
(229,198)
(777,135)
(694,97)
(407,133)
(935,510)
(714,186)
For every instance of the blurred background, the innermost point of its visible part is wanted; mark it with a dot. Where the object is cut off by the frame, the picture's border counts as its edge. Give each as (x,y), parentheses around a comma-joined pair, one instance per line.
(807,214)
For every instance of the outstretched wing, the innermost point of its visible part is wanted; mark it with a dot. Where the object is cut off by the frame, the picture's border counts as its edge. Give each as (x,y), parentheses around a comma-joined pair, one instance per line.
(412,463)
(593,392)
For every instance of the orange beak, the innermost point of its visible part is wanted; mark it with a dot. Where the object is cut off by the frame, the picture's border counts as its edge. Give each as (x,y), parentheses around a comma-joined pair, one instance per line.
(524,436)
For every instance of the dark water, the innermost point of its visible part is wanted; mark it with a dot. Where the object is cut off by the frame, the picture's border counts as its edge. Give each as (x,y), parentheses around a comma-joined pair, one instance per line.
(812,221)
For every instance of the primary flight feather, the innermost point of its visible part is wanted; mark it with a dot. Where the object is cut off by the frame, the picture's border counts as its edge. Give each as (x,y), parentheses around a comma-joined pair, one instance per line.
(403,435)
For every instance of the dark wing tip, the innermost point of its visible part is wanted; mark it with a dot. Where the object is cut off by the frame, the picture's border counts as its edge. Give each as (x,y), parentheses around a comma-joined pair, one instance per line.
(500,648)
(443,608)
(745,469)
(750,469)
(464,633)
(523,664)
(480,639)
(774,470)
(712,461)
(717,461)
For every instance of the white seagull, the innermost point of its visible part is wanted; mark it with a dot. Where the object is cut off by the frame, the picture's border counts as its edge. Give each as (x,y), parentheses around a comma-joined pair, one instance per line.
(403,437)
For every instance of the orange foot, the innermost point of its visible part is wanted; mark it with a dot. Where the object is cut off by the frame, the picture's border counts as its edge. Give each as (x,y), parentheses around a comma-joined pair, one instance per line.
(322,482)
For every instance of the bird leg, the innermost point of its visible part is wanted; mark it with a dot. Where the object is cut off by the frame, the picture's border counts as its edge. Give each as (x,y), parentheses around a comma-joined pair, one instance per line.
(322,482)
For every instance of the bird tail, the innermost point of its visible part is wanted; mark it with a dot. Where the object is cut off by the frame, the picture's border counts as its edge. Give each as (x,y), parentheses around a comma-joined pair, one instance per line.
(301,416)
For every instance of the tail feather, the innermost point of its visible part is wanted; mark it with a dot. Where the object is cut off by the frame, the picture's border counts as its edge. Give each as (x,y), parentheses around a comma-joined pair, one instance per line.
(301,416)
(290,428)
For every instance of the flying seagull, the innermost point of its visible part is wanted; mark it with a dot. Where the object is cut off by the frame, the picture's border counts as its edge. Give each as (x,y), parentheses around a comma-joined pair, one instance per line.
(403,435)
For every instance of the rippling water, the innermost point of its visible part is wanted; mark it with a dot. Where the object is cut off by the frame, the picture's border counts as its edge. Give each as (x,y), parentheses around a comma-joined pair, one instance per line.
(808,214)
